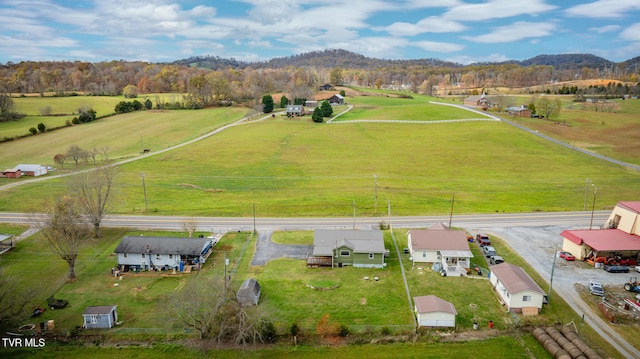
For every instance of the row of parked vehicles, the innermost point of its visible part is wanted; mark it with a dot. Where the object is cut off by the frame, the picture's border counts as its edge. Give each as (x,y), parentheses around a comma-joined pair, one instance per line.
(487,249)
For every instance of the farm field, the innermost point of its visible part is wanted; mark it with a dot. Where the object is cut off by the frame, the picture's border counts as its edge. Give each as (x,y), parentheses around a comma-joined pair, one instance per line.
(298,168)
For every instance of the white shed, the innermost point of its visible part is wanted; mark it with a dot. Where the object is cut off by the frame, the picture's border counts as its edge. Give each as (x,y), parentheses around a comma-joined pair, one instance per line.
(432,311)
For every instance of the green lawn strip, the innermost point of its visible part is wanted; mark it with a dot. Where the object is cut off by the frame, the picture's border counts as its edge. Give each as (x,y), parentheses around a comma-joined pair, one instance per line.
(501,347)
(293,237)
(12,229)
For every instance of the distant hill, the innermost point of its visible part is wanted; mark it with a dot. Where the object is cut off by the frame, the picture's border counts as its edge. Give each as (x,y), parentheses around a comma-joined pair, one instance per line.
(565,61)
(331,58)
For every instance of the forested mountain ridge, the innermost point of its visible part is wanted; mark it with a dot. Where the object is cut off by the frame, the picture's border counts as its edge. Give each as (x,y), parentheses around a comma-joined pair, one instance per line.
(331,58)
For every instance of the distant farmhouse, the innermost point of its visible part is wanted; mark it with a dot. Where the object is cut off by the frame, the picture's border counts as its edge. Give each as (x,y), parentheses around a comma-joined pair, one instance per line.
(477,101)
(358,248)
(295,110)
(519,111)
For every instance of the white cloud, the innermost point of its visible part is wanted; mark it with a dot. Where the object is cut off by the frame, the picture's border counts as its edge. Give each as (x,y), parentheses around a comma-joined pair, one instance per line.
(604,29)
(514,32)
(497,9)
(437,46)
(631,33)
(431,24)
(604,8)
(466,60)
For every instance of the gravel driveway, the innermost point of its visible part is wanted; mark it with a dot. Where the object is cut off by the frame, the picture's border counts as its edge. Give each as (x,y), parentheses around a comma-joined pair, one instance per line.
(266,250)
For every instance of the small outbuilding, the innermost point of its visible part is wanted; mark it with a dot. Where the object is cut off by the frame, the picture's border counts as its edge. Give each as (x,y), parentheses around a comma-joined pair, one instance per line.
(433,311)
(32,170)
(249,293)
(336,99)
(100,317)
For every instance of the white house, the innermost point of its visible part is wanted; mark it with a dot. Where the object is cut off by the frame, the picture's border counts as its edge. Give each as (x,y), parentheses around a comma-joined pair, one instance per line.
(432,311)
(146,252)
(516,289)
(439,243)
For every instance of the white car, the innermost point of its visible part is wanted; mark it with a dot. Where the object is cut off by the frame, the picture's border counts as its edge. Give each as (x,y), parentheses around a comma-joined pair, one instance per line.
(596,288)
(637,268)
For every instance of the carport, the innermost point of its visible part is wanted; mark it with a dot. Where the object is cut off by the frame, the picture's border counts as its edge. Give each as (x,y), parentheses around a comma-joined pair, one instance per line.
(609,243)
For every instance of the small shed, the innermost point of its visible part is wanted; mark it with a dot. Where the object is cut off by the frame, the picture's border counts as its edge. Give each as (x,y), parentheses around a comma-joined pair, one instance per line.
(433,311)
(100,317)
(249,293)
(12,173)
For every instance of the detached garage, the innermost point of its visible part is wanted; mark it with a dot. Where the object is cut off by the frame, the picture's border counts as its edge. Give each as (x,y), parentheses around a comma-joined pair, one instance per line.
(432,311)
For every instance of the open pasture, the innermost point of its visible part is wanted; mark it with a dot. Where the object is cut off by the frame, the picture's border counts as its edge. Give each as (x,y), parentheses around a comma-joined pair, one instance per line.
(417,108)
(291,168)
(125,135)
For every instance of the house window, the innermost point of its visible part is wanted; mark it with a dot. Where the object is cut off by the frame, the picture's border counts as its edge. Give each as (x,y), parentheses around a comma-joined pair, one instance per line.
(93,319)
(142,255)
(170,256)
(124,255)
(526,298)
(157,257)
(370,255)
(344,253)
(424,254)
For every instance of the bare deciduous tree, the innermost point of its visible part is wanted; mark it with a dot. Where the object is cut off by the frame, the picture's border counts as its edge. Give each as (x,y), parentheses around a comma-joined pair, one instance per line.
(190,225)
(93,190)
(75,153)
(13,301)
(64,228)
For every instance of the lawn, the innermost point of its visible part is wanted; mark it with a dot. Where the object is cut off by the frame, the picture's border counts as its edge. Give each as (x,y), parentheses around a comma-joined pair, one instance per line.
(417,108)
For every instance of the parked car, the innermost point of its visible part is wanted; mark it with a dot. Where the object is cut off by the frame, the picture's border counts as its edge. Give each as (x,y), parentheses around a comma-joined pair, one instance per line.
(596,288)
(483,240)
(615,269)
(637,268)
(496,260)
(488,251)
(567,256)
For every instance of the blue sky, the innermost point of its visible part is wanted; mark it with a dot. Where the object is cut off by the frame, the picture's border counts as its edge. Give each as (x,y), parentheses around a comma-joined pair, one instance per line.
(462,31)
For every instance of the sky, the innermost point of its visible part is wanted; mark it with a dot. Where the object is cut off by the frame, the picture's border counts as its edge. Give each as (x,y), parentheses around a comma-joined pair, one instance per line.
(462,31)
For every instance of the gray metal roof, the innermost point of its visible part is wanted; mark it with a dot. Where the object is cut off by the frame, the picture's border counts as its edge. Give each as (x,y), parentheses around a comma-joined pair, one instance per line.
(162,245)
(103,309)
(360,241)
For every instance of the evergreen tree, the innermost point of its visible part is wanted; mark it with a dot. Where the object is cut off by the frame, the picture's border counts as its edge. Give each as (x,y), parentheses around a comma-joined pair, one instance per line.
(326,108)
(317,115)
(267,102)
(284,101)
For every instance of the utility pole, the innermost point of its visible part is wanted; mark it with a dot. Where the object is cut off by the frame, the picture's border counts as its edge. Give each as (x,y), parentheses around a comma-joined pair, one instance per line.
(144,189)
(553,267)
(375,193)
(586,192)
(226,263)
(254,218)
(354,214)
(453,198)
(595,190)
